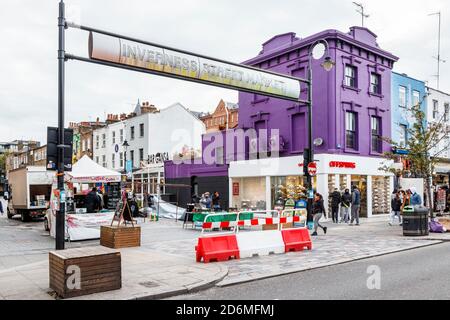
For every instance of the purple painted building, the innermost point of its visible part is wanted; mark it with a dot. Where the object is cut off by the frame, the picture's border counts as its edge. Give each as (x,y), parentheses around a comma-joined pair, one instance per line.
(359,83)
(351,111)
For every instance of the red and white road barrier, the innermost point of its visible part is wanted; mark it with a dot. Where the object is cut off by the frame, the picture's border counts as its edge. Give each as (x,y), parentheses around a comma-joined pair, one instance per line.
(235,244)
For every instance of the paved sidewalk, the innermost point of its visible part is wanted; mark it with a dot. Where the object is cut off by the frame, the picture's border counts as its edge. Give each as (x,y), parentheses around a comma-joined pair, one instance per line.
(165,264)
(146,274)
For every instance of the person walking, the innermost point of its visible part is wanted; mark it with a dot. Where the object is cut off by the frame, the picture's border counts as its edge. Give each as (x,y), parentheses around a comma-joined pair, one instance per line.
(318,210)
(335,201)
(356,205)
(346,201)
(396,205)
(92,201)
(216,201)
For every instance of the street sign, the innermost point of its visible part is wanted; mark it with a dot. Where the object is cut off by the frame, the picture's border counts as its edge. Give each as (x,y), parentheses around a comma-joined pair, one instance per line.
(188,66)
(312,169)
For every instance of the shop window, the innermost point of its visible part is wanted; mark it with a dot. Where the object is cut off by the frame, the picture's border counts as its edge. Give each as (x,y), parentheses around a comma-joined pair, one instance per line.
(380,195)
(376,134)
(288,187)
(350,130)
(252,193)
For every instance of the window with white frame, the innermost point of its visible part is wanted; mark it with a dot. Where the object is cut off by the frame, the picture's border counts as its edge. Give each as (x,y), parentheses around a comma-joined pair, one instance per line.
(403,135)
(132,133)
(402,96)
(416,98)
(113,160)
(376,133)
(435,109)
(121,159)
(121,135)
(114,137)
(97,141)
(104,140)
(375,83)
(104,161)
(97,160)
(350,130)
(350,76)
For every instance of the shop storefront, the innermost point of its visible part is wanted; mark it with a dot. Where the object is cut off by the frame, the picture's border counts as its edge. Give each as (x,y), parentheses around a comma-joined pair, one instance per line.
(258,184)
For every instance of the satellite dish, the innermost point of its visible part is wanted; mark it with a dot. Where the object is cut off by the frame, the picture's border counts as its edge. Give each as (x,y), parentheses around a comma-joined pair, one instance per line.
(318,142)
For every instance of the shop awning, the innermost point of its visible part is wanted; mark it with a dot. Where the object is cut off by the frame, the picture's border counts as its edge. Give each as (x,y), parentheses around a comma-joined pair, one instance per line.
(88,171)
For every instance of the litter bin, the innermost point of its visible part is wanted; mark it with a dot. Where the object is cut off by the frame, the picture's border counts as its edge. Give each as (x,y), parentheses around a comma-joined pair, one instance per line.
(415,221)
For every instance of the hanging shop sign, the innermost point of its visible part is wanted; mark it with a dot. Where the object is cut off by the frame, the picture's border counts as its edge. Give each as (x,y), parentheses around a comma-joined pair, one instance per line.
(342,164)
(172,63)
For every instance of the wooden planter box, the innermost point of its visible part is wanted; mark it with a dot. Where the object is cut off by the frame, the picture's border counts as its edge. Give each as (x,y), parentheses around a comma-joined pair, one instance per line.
(120,237)
(82,271)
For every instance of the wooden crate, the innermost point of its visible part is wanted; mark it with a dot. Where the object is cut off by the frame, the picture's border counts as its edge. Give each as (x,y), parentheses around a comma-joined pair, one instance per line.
(120,237)
(82,271)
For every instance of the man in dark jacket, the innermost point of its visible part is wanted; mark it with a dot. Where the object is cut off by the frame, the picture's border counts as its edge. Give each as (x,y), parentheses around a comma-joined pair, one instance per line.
(356,205)
(346,201)
(335,201)
(92,201)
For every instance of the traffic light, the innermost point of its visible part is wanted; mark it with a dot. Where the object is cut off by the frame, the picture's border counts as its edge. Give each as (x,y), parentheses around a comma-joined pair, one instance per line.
(52,148)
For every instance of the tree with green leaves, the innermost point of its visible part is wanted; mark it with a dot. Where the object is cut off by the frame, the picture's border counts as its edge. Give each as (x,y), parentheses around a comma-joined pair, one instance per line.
(423,148)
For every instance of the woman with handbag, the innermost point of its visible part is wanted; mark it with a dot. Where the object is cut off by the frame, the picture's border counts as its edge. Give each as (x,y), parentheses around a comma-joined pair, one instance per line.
(318,210)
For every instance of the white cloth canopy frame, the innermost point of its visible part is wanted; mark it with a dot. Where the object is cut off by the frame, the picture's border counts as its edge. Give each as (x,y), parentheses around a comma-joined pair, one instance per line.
(88,171)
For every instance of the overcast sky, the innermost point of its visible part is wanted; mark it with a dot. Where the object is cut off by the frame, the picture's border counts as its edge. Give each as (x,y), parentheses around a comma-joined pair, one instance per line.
(226,29)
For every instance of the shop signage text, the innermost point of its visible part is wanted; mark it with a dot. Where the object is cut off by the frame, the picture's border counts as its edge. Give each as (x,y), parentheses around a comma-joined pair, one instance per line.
(342,164)
(190,67)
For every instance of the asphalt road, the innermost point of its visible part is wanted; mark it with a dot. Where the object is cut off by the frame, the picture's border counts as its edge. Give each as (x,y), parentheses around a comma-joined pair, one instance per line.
(416,274)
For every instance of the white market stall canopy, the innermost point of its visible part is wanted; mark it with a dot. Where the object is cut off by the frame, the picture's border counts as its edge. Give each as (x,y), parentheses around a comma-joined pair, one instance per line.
(88,171)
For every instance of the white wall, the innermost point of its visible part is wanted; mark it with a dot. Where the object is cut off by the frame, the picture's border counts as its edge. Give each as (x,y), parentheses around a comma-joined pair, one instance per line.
(109,148)
(442,99)
(166,131)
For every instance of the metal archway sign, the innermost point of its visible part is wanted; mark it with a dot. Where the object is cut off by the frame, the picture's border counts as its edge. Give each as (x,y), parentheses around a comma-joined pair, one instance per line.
(119,51)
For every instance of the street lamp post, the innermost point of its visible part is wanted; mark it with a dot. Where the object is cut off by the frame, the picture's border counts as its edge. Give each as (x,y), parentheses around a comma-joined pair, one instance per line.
(60,216)
(309,153)
(125,145)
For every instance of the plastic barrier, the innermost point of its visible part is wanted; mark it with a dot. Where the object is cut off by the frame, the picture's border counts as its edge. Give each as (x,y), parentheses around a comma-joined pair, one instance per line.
(219,224)
(217,248)
(260,243)
(295,213)
(296,239)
